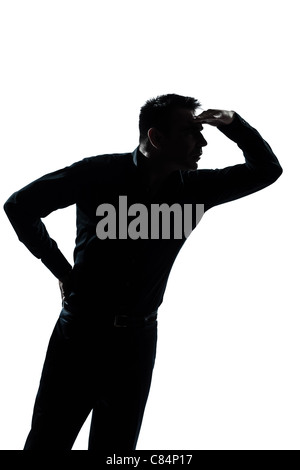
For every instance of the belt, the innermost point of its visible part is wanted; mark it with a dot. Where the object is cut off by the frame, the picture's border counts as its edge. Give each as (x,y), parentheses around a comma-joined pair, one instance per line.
(119,320)
(124,321)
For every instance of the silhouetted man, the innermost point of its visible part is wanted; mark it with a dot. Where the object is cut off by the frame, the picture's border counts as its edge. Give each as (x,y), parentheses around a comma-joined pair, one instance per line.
(102,350)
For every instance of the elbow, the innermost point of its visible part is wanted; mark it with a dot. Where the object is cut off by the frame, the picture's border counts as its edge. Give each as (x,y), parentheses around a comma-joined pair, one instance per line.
(273,173)
(9,205)
(277,172)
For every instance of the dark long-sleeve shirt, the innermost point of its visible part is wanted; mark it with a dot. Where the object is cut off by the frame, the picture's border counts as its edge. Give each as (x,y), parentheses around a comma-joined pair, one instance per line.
(128,275)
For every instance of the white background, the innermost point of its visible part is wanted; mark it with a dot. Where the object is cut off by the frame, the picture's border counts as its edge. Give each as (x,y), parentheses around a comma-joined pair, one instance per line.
(74,75)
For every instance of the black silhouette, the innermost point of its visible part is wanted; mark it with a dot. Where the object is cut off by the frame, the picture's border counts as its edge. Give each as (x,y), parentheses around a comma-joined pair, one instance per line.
(102,350)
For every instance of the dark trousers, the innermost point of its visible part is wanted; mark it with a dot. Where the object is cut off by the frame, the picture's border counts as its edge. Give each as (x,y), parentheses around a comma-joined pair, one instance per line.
(93,366)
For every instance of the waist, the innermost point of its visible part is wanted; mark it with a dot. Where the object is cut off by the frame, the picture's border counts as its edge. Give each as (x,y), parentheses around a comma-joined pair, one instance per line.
(106,316)
(123,321)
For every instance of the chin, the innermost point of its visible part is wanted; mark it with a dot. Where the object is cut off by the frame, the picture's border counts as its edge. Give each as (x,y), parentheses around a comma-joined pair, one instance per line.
(193,166)
(189,164)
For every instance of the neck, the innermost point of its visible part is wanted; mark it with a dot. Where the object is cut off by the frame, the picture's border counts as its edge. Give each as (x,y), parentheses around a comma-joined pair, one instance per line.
(157,168)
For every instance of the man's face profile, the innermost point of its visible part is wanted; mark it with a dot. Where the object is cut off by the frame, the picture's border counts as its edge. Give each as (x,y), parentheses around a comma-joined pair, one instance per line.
(182,143)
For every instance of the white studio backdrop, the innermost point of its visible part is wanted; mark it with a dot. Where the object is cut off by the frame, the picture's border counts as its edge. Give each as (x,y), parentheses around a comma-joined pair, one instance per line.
(74,76)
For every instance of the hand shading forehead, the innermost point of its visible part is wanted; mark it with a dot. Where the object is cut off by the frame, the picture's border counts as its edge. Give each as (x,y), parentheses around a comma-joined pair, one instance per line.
(185,119)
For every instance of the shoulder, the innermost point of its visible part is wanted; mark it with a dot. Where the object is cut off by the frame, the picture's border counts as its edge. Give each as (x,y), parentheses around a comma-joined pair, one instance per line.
(94,165)
(107,159)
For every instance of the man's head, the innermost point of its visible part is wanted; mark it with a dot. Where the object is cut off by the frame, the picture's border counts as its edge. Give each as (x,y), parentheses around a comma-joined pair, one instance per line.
(168,131)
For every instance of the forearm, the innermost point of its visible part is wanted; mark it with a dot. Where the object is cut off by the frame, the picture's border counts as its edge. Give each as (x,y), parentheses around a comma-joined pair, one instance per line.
(32,232)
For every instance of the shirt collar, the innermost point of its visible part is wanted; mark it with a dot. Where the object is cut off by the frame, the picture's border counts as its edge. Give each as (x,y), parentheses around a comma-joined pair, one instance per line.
(134,156)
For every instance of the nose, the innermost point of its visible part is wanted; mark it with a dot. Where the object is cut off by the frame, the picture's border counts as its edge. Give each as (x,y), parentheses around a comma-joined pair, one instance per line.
(202,141)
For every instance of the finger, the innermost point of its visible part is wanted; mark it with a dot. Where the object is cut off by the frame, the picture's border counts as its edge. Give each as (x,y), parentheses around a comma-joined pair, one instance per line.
(208,120)
(205,113)
(210,114)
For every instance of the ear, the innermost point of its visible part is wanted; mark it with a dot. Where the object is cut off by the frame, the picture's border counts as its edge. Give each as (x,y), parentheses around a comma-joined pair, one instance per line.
(155,137)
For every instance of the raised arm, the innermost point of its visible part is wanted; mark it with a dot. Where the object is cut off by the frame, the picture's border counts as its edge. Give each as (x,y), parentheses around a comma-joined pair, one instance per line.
(261,167)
